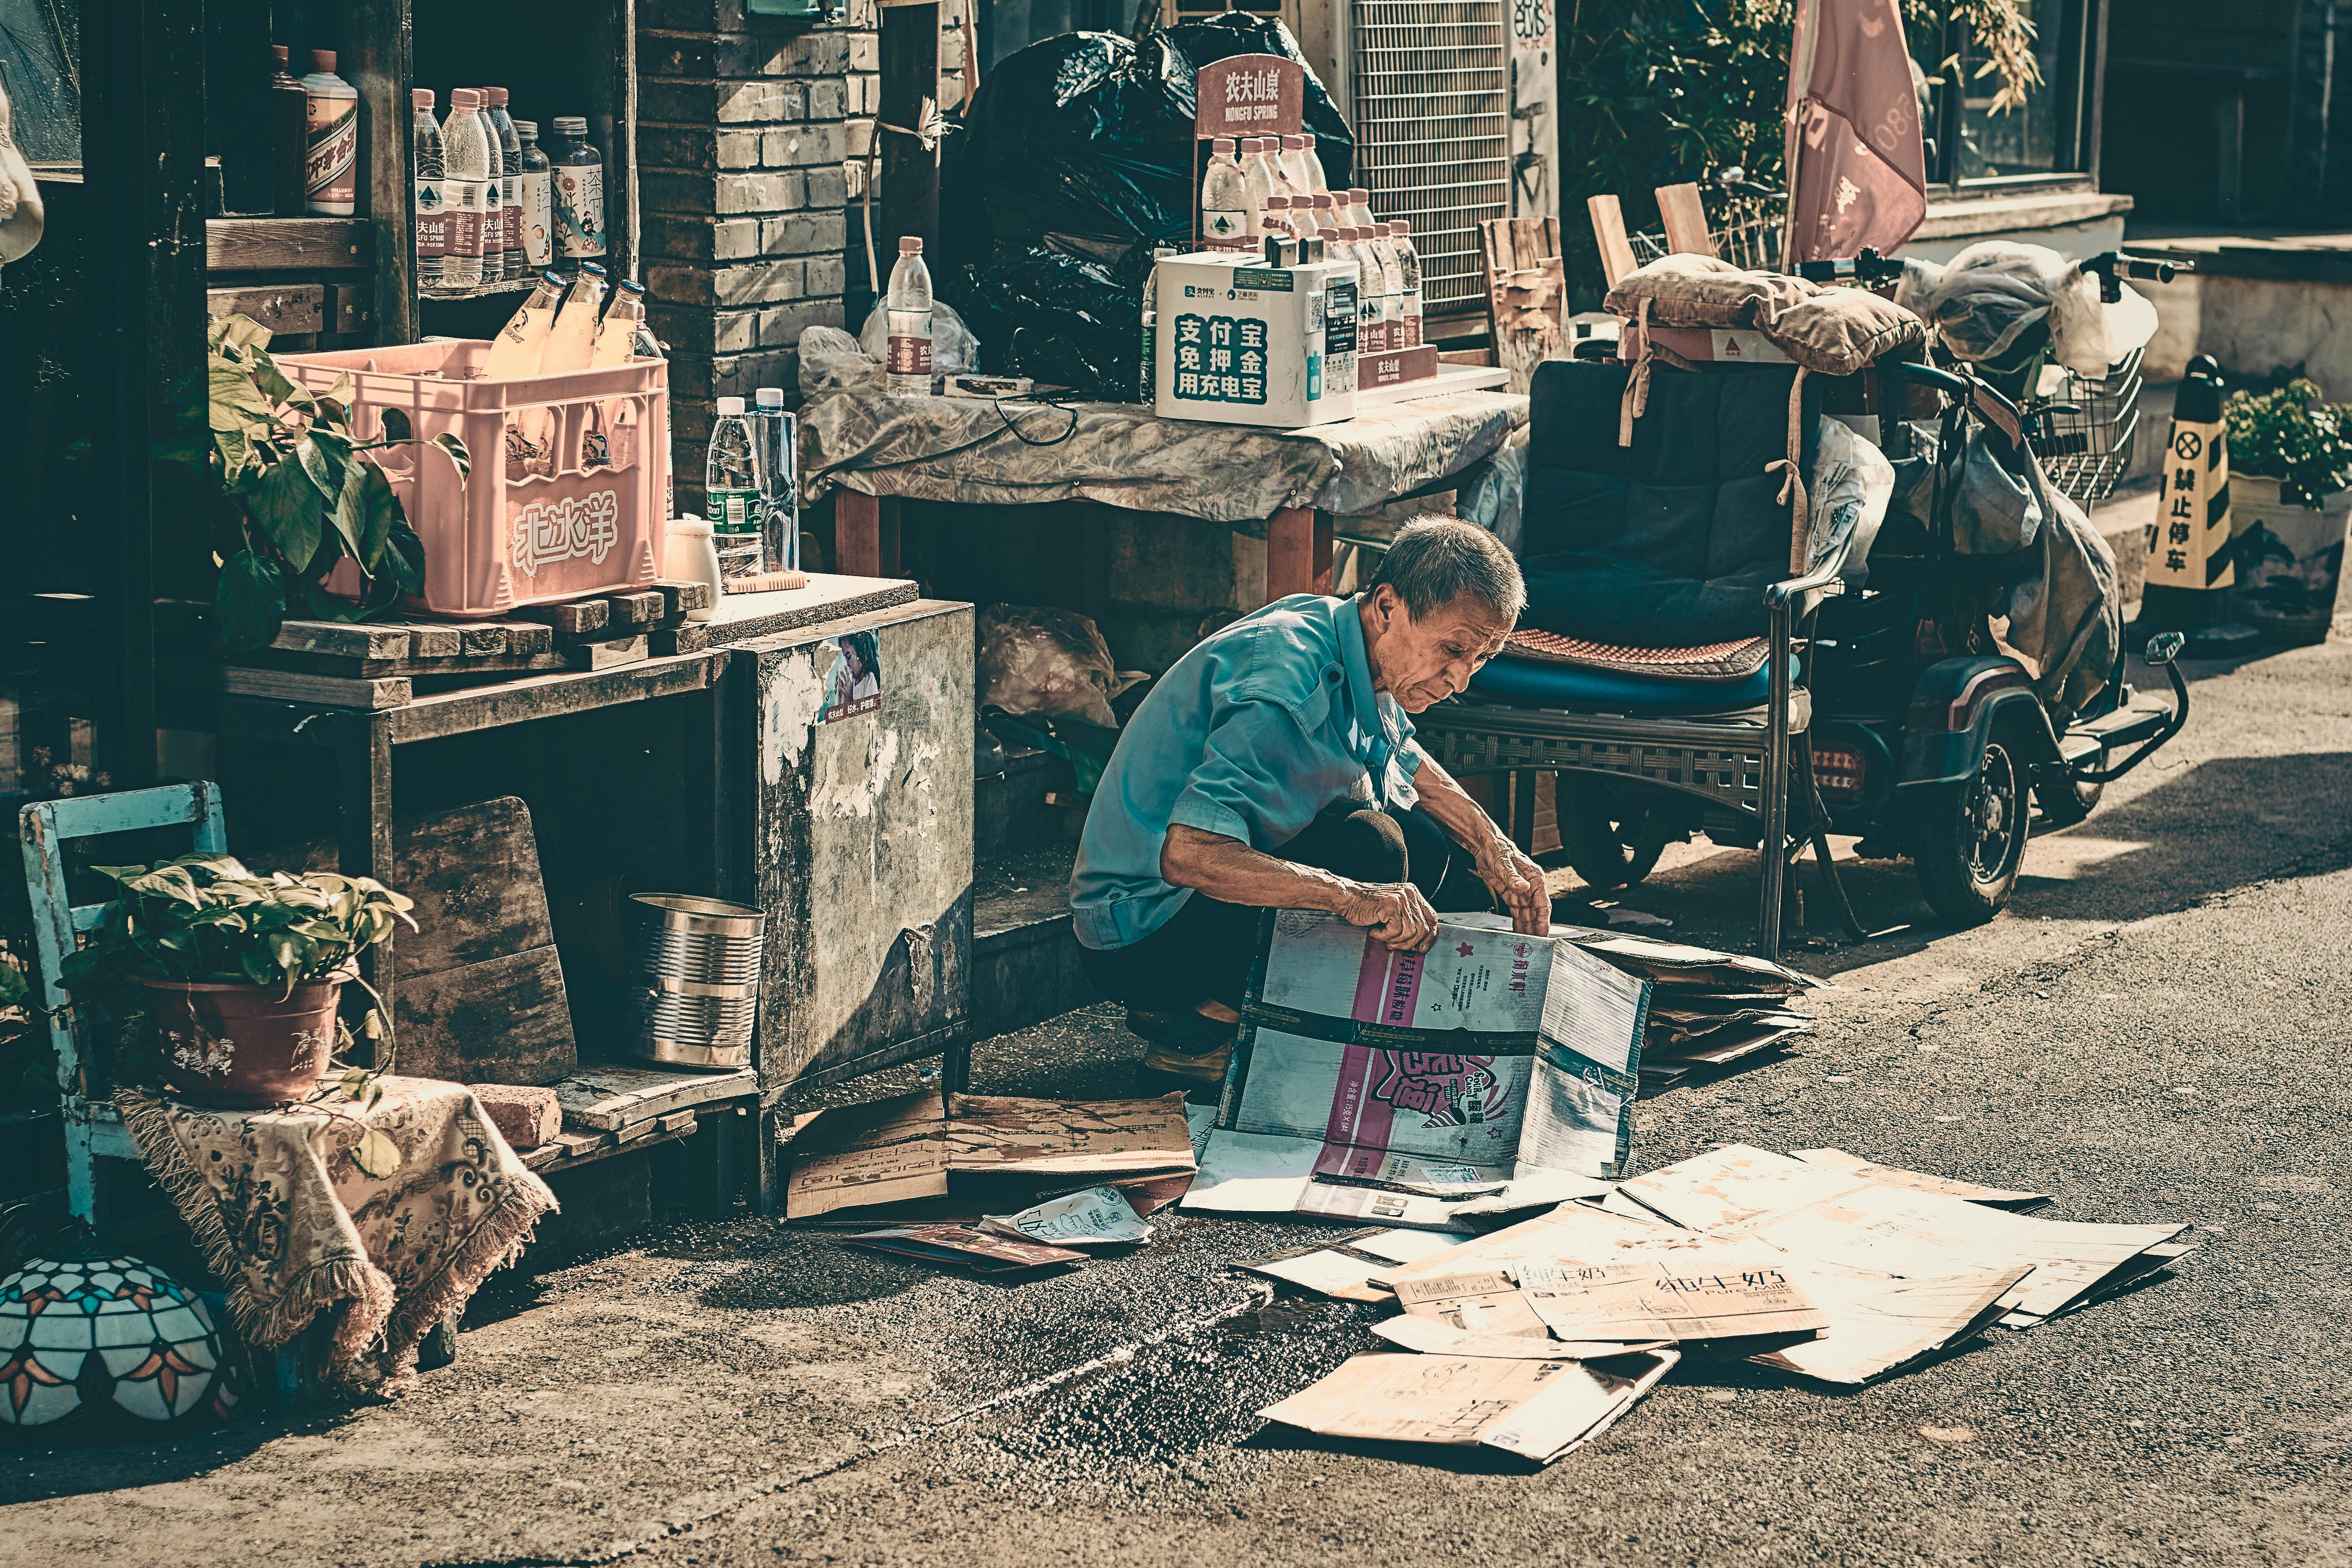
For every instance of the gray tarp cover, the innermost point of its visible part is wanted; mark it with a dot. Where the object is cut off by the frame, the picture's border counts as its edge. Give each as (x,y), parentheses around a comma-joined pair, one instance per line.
(950,449)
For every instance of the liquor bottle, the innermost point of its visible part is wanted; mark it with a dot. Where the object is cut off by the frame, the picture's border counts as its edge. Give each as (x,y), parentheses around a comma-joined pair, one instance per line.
(290,137)
(330,152)
(538,196)
(432,223)
(579,171)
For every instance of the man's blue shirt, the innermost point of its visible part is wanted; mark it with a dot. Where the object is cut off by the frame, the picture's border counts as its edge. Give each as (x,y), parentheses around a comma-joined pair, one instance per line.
(1258,728)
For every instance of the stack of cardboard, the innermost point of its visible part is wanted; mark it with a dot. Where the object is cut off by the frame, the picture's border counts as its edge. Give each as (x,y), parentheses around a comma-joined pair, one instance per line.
(1709,1008)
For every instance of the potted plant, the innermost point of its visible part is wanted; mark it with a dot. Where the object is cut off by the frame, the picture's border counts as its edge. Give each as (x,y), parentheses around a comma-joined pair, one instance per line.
(238,975)
(298,497)
(2290,501)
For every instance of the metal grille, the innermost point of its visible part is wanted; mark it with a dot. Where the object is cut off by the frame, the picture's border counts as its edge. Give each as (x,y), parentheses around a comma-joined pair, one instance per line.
(1432,101)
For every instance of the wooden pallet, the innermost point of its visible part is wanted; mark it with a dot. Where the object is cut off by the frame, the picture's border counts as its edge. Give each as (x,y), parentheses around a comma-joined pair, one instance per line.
(383,663)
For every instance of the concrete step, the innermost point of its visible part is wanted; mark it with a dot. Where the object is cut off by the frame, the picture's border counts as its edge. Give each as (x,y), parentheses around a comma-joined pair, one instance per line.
(1024,961)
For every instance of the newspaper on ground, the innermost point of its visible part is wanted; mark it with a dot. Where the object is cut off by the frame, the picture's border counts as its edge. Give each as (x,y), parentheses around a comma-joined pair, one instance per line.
(1821,1214)
(1538,1410)
(966,1247)
(1432,1076)
(913,1149)
(1098,1217)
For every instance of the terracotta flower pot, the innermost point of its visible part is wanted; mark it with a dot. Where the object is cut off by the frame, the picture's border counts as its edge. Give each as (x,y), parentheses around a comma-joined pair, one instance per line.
(239,1046)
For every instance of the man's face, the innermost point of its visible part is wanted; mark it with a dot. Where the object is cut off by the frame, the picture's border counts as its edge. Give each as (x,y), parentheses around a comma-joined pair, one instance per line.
(1425,661)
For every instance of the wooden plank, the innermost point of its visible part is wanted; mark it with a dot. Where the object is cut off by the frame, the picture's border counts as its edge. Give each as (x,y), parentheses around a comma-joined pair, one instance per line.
(350,307)
(635,609)
(283,307)
(528,697)
(608,655)
(678,1122)
(526,636)
(326,690)
(345,639)
(741,617)
(480,639)
(285,244)
(506,1020)
(1609,231)
(576,619)
(864,534)
(434,640)
(1685,220)
(680,597)
(608,1097)
(1290,552)
(379,60)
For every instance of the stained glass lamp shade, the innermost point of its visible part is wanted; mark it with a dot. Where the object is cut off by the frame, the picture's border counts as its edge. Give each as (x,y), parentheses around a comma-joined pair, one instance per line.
(88,1334)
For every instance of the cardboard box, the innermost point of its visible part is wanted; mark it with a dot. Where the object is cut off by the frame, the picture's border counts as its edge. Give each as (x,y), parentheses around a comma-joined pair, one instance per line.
(1242,344)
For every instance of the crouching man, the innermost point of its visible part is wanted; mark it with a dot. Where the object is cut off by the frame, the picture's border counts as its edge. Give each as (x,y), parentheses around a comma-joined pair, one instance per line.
(1274,767)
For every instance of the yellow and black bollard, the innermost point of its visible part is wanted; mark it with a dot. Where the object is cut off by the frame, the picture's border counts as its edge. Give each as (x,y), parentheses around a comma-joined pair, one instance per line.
(2190,573)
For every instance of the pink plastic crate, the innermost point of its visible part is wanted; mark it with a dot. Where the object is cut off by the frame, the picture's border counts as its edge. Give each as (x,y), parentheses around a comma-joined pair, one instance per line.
(568,495)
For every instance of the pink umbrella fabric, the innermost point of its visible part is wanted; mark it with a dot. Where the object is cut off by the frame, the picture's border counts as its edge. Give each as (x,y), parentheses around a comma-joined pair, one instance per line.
(1857,167)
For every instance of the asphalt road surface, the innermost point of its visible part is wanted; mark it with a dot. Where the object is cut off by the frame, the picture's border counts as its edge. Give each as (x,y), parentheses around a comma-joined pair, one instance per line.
(2157,1033)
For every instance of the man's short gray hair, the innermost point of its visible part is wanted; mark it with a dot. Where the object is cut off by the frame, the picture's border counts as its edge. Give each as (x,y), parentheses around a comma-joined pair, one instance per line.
(1432,559)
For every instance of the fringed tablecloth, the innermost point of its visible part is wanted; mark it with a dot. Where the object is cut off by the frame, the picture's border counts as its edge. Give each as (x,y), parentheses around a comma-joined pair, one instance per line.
(289,1219)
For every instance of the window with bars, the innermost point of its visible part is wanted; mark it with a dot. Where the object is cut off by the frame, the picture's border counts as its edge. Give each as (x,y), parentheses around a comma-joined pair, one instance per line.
(1432,87)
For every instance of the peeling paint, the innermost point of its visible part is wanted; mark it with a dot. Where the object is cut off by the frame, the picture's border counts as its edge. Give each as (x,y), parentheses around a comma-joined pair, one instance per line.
(794,697)
(854,795)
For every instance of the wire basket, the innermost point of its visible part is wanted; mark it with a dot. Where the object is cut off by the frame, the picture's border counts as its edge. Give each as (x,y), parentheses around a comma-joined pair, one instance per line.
(2084,435)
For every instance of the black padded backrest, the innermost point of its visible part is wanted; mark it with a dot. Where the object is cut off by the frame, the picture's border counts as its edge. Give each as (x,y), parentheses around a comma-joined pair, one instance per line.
(1692,497)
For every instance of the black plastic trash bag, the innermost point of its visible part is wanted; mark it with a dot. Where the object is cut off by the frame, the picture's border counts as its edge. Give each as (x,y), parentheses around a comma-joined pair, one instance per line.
(1075,158)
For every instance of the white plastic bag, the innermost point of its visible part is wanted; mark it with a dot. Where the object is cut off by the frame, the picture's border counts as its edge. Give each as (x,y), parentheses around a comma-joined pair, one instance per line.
(1983,298)
(1851,483)
(1038,662)
(953,347)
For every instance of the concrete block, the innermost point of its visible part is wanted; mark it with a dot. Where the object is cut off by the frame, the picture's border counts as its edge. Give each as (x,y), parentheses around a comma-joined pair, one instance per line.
(803,234)
(802,146)
(831,187)
(720,194)
(826,276)
(781,326)
(864,53)
(705,103)
(827,99)
(696,147)
(857,138)
(758,283)
(702,239)
(703,330)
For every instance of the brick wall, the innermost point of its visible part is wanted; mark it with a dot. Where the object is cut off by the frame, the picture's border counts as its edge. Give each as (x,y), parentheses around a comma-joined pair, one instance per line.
(752,146)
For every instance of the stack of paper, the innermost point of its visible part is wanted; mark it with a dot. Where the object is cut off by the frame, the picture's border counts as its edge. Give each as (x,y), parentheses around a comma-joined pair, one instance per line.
(1710,1008)
(1370,1084)
(1538,1410)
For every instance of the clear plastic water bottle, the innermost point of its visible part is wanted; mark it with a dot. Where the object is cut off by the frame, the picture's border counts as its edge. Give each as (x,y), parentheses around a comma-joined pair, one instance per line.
(1408,275)
(907,370)
(1226,201)
(464,188)
(511,262)
(731,486)
(431,224)
(775,459)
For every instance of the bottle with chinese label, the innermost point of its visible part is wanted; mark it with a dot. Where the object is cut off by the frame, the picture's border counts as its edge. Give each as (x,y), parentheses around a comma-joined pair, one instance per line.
(521,343)
(331,155)
(464,188)
(730,489)
(1225,203)
(1408,277)
(907,370)
(538,196)
(1310,167)
(1384,289)
(1294,171)
(616,334)
(289,136)
(512,262)
(431,224)
(579,171)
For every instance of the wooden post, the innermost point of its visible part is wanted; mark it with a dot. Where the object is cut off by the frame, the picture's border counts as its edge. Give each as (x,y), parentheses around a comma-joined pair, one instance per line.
(1609,231)
(1291,552)
(363,825)
(1685,221)
(379,67)
(864,534)
(908,202)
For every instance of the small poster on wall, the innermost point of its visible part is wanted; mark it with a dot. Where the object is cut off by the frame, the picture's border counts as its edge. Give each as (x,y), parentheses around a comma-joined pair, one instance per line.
(853,677)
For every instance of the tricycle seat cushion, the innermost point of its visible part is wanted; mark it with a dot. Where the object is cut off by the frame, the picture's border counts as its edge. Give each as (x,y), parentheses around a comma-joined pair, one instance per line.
(1539,683)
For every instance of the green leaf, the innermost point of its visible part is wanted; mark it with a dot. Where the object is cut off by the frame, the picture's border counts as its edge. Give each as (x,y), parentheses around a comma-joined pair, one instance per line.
(449,442)
(237,402)
(240,333)
(376,510)
(351,514)
(407,557)
(375,1154)
(249,603)
(286,508)
(276,388)
(324,456)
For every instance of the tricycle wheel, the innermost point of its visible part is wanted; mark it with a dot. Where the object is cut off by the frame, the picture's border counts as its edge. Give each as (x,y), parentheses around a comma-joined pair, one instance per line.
(2066,800)
(1969,840)
(1607,846)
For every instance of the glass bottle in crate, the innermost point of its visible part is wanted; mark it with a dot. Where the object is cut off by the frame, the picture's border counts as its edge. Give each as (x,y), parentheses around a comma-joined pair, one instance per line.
(573,339)
(616,334)
(730,490)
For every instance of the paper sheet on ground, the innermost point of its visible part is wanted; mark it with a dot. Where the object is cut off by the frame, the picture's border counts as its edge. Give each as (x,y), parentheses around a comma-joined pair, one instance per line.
(1487,1302)
(1428,1336)
(1698,1297)
(1895,1175)
(1538,1410)
(1878,1323)
(966,1245)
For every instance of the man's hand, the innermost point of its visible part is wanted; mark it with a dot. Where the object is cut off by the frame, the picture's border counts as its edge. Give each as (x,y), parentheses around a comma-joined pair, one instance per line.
(1395,911)
(1518,881)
